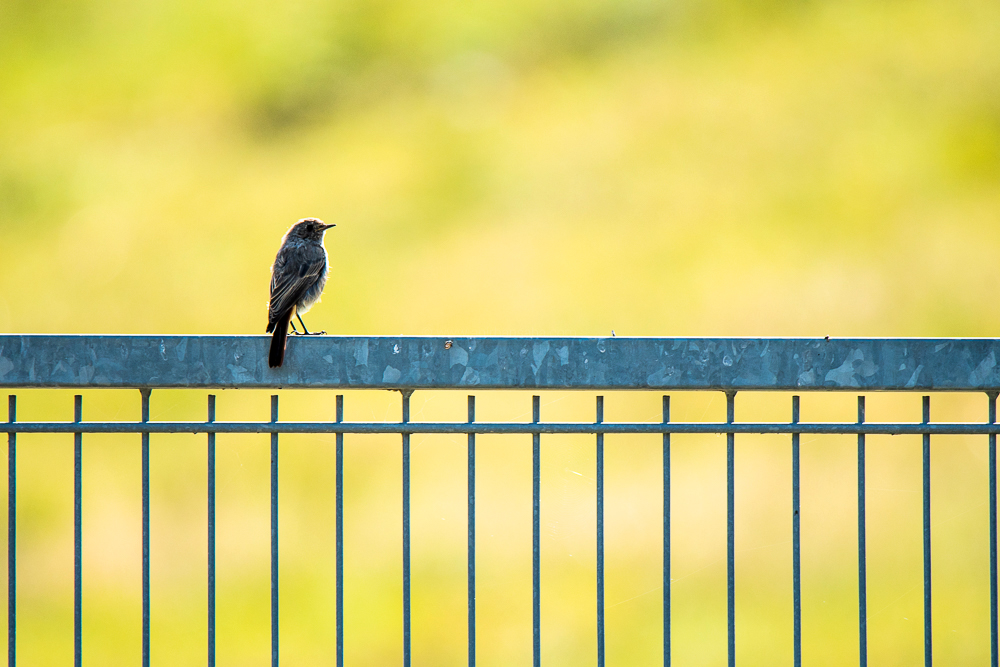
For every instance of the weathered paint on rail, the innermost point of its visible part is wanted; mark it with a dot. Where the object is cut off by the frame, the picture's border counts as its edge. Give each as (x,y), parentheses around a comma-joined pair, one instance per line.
(419,362)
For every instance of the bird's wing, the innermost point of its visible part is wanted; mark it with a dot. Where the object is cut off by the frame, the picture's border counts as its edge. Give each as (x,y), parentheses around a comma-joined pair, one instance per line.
(295,270)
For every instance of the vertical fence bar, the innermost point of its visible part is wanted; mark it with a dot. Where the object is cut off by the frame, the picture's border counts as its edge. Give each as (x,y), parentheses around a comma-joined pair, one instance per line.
(78,534)
(928,655)
(11,535)
(862,546)
(407,656)
(600,535)
(472,535)
(536,563)
(340,534)
(144,393)
(274,534)
(666,536)
(731,525)
(993,530)
(796,546)
(211,534)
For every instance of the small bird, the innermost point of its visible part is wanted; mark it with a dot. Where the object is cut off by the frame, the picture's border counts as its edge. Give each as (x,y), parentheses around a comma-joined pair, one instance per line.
(298,276)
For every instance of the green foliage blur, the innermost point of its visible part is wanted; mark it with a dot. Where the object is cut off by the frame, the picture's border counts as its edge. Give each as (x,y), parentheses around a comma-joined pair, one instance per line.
(693,167)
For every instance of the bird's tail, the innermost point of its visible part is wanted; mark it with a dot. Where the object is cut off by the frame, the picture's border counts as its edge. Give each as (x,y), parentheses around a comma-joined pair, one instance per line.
(277,353)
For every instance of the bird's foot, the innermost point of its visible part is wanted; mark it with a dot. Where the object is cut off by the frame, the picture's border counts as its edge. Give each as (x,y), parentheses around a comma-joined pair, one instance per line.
(313,333)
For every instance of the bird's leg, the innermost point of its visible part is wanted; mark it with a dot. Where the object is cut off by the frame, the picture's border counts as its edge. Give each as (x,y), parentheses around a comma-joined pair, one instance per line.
(308,333)
(294,330)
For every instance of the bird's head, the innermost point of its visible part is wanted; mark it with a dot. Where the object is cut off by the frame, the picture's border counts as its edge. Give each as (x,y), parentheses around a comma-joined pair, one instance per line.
(311,229)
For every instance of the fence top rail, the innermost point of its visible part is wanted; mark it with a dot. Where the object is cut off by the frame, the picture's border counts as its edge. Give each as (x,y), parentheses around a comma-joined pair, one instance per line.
(439,362)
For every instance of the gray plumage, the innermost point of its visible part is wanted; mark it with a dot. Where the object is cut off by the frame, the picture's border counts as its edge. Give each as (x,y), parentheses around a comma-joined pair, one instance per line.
(298,276)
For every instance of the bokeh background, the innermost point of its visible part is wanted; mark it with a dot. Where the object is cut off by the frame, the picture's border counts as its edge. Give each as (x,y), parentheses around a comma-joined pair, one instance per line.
(689,167)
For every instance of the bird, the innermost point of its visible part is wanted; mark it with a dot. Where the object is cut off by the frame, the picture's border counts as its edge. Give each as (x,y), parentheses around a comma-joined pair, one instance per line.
(298,276)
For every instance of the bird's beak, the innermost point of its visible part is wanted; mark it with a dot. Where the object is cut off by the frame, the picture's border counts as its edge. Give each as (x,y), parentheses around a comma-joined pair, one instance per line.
(326,227)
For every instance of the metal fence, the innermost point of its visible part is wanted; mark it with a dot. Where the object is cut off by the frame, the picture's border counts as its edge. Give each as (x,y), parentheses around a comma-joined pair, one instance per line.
(728,365)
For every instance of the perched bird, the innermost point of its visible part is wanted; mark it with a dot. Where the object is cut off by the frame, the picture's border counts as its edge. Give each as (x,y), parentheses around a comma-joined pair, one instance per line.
(297,279)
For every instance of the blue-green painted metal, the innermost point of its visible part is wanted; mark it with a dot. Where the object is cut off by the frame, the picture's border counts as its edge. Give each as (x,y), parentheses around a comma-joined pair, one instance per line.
(146,611)
(862,544)
(11,535)
(274,536)
(417,362)
(510,428)
(78,535)
(667,652)
(406,364)
(211,534)
(796,543)
(471,527)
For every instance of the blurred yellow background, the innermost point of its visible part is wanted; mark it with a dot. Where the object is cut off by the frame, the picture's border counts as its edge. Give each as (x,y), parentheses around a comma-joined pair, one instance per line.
(698,167)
